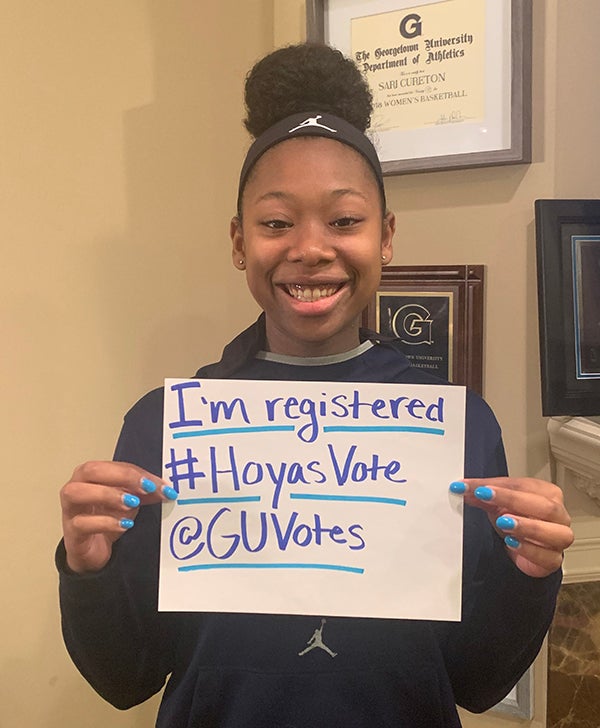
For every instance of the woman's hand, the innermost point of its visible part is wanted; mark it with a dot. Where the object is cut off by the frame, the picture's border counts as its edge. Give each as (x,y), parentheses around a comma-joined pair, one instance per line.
(99,504)
(530,516)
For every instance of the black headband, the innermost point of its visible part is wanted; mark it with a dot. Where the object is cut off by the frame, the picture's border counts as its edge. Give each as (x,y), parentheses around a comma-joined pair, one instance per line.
(311,124)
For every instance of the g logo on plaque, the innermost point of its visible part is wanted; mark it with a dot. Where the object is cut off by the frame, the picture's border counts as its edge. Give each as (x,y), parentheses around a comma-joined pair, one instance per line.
(412,324)
(436,313)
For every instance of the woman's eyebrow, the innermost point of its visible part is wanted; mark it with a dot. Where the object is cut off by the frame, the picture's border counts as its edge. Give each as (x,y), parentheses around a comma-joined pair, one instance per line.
(274,195)
(349,191)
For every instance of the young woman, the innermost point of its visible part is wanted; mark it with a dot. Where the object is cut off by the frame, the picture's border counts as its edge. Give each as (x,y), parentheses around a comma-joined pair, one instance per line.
(311,232)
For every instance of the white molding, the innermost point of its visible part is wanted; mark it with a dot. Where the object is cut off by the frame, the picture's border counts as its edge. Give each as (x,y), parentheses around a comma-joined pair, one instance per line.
(586,544)
(582,561)
(580,576)
(575,446)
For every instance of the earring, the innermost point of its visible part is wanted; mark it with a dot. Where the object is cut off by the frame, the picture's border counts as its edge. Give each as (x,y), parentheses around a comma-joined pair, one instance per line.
(241,261)
(383,257)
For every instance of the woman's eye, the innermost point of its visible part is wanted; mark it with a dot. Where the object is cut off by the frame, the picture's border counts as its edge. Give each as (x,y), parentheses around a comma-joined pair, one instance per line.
(343,222)
(276,224)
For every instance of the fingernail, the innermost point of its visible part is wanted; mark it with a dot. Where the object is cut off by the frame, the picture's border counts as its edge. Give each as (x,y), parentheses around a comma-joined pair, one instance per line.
(458,487)
(148,485)
(169,492)
(131,501)
(506,523)
(126,523)
(484,493)
(512,542)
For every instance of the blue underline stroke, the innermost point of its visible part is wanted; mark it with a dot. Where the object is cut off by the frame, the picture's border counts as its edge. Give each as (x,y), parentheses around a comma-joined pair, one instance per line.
(234,431)
(384,428)
(232,499)
(328,567)
(354,498)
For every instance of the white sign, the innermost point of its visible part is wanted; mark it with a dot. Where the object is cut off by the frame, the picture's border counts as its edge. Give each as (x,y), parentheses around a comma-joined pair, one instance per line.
(325,498)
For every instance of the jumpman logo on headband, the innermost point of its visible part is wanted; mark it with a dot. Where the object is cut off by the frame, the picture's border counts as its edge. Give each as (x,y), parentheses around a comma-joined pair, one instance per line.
(312,121)
(317,641)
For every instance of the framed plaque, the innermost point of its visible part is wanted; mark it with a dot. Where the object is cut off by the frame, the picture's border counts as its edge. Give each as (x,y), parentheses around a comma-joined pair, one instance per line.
(437,313)
(568,266)
(451,79)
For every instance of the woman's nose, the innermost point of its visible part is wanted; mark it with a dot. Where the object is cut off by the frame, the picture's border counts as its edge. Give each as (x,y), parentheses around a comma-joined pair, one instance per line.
(311,246)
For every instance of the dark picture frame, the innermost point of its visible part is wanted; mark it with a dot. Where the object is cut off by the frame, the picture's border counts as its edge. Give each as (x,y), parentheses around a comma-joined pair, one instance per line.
(509,49)
(568,271)
(437,313)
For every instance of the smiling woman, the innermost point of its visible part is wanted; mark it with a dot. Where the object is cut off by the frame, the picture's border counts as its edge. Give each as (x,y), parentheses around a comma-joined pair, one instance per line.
(312,243)
(311,233)
(312,229)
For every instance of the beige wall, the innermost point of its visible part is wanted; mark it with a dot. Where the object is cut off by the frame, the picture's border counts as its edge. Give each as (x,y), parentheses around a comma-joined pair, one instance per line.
(120,140)
(120,143)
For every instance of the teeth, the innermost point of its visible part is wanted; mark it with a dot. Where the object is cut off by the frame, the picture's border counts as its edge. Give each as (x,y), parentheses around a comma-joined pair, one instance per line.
(310,293)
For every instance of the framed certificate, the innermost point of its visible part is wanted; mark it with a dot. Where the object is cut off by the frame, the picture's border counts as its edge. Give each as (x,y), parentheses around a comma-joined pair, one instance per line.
(568,266)
(437,313)
(451,79)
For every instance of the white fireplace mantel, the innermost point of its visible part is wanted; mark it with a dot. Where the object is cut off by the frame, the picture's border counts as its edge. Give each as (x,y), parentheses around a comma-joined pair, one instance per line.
(575,446)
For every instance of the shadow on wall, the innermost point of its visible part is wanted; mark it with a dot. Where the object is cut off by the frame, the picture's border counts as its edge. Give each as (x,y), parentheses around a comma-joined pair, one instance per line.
(182,158)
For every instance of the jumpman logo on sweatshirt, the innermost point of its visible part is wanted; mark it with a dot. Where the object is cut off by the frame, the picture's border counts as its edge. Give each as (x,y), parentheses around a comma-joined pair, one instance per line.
(317,641)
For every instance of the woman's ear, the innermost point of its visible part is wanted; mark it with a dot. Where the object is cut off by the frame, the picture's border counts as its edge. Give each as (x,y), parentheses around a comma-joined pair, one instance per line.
(387,233)
(236,234)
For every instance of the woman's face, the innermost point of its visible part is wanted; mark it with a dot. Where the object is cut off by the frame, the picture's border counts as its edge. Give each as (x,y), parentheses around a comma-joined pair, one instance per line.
(312,241)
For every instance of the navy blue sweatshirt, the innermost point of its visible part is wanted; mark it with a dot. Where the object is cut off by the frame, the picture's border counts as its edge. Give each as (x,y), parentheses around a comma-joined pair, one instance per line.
(246,670)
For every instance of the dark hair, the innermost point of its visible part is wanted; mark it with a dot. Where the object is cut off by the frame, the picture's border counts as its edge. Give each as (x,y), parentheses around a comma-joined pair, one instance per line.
(304,77)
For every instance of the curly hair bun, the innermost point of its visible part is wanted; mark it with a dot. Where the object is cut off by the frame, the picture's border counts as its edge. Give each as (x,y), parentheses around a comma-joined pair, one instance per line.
(305,77)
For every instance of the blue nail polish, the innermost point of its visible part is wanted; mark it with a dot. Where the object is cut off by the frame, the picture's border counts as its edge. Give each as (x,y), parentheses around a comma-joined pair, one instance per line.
(506,523)
(458,487)
(169,492)
(484,493)
(126,523)
(148,485)
(131,501)
(512,542)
